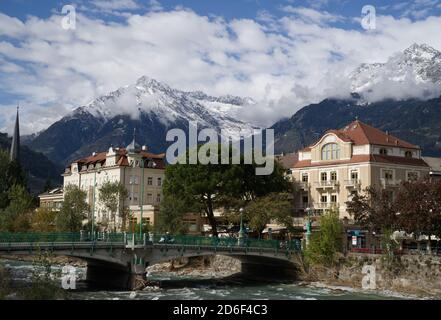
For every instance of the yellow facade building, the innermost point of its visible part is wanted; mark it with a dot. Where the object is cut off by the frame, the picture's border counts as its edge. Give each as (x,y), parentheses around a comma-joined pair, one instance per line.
(343,162)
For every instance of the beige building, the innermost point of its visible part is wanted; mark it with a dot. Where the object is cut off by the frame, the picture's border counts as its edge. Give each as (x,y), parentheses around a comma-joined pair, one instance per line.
(52,199)
(141,172)
(343,162)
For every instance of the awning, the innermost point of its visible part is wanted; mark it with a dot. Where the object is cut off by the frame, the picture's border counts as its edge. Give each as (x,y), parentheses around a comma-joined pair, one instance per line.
(274,229)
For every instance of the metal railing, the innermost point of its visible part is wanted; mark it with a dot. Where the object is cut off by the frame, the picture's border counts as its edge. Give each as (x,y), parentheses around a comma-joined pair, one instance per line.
(145,239)
(326,183)
(352,182)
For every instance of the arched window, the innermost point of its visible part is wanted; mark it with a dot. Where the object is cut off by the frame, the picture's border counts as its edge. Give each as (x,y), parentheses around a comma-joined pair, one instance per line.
(408,154)
(330,151)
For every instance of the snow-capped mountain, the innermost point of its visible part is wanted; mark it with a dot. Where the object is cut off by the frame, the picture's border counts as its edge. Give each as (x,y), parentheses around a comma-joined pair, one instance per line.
(155,98)
(415,72)
(150,106)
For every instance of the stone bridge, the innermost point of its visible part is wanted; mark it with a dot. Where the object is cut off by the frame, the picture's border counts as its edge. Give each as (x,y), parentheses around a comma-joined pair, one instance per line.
(117,261)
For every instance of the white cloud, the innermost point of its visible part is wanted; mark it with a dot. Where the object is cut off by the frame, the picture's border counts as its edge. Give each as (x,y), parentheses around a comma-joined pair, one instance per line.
(115,4)
(284,64)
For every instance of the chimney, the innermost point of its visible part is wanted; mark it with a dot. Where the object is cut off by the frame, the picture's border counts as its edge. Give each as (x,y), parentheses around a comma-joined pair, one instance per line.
(144,148)
(93,154)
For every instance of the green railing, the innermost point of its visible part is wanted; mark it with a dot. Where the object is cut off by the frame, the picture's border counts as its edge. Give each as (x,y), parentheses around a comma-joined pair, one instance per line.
(227,242)
(139,239)
(39,237)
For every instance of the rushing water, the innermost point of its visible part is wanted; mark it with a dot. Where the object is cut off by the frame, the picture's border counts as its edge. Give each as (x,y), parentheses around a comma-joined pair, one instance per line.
(194,289)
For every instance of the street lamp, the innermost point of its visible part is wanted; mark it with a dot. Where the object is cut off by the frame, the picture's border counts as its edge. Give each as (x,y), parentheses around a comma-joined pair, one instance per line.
(241,231)
(142,197)
(93,206)
(308,225)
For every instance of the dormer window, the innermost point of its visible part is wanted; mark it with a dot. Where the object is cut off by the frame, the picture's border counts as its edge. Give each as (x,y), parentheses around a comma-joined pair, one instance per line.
(331,151)
(383,151)
(408,154)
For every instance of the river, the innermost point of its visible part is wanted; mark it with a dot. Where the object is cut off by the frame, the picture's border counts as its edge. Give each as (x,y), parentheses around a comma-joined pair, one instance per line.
(192,288)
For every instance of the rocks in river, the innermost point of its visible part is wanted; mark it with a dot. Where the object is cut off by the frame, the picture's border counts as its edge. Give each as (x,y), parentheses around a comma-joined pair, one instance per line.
(208,266)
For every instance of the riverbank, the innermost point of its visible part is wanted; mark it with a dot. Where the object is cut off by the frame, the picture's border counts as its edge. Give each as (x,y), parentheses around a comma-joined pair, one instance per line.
(410,276)
(56,260)
(416,275)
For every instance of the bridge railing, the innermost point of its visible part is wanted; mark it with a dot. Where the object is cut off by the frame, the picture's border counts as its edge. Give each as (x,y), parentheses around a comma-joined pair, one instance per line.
(32,237)
(226,242)
(140,239)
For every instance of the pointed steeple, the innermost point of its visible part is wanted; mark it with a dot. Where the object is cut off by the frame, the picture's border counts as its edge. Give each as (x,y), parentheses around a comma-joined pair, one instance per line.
(133,146)
(15,145)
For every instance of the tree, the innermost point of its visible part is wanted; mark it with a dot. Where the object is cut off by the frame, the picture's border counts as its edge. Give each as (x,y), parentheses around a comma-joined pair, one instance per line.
(73,210)
(15,174)
(16,217)
(207,187)
(171,215)
(111,195)
(374,210)
(273,207)
(4,186)
(47,185)
(43,220)
(11,174)
(418,208)
(327,243)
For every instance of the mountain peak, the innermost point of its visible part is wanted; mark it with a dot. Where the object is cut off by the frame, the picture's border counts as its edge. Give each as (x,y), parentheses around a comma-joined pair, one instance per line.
(413,73)
(422,51)
(148,82)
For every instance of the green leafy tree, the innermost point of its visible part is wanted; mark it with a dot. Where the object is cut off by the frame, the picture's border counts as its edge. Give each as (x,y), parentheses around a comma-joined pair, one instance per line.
(111,195)
(4,185)
(73,210)
(326,245)
(11,174)
(171,215)
(374,210)
(207,187)
(16,175)
(274,207)
(16,217)
(44,220)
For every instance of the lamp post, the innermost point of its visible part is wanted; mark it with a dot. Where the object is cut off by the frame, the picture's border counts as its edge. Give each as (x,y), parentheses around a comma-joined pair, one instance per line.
(308,225)
(142,197)
(93,206)
(241,231)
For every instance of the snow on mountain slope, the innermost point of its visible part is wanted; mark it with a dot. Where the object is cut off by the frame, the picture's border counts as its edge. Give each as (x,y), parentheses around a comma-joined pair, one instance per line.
(415,72)
(169,105)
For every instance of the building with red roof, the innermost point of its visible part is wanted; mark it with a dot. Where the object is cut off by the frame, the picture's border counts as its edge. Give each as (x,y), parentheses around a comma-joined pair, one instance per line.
(140,171)
(345,161)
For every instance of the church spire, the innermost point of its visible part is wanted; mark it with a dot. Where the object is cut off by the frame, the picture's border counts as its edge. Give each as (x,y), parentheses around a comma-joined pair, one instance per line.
(133,146)
(15,146)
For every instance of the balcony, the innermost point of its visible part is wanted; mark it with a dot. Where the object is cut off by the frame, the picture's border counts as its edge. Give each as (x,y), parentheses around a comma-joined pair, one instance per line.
(326,205)
(324,184)
(388,183)
(304,185)
(353,183)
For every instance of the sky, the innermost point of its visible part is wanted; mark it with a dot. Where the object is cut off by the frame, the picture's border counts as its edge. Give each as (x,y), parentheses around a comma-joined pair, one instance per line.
(283,54)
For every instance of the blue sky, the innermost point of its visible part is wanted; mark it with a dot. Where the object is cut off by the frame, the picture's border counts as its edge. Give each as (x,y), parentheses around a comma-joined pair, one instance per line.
(283,54)
(231,9)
